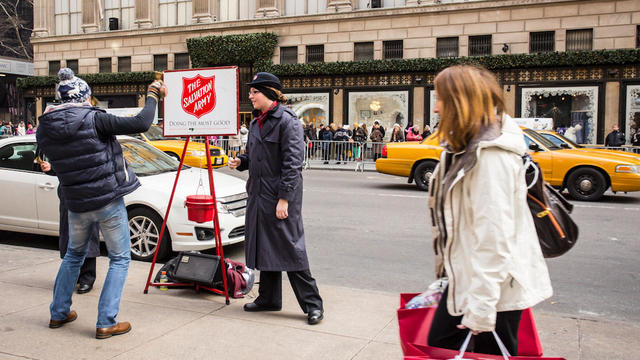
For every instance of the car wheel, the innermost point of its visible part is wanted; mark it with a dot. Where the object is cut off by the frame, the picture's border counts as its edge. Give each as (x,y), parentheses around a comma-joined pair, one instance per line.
(144,229)
(423,174)
(586,184)
(173,155)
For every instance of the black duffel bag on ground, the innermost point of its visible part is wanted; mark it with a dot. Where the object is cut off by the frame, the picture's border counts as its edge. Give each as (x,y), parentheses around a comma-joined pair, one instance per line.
(201,269)
(557,232)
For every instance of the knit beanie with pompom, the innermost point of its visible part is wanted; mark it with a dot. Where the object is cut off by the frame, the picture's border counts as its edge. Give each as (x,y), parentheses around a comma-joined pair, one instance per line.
(71,88)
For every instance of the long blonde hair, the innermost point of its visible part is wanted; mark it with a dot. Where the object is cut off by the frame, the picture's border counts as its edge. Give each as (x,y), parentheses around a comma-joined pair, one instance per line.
(471,98)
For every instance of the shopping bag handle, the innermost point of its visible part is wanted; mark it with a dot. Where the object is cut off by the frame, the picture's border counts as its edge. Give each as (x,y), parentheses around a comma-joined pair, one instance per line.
(463,348)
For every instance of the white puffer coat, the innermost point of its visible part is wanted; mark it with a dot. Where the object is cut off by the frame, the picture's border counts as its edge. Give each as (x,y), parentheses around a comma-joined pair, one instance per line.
(484,232)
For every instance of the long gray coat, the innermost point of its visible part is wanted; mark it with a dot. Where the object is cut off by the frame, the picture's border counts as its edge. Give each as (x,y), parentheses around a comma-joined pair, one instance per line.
(274,159)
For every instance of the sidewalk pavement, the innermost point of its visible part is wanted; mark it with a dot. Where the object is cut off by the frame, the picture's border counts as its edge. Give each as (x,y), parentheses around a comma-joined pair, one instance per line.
(183,324)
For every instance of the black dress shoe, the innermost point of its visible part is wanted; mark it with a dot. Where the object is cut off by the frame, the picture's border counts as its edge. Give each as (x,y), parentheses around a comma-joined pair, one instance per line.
(84,288)
(315,316)
(253,307)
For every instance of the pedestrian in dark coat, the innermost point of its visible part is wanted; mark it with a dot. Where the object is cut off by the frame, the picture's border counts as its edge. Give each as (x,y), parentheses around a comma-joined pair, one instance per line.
(615,138)
(327,138)
(274,233)
(88,270)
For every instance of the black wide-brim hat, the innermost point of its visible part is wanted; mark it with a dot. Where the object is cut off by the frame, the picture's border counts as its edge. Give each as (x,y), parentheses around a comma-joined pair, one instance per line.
(265,79)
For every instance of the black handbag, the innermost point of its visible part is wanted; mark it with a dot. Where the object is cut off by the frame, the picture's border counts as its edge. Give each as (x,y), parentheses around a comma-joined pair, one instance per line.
(202,269)
(557,232)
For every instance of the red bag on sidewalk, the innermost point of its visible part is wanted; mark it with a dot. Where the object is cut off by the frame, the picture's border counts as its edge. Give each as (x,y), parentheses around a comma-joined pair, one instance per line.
(414,327)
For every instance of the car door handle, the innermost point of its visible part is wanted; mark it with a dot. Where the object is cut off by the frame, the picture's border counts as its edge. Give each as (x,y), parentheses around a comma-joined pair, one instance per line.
(46,186)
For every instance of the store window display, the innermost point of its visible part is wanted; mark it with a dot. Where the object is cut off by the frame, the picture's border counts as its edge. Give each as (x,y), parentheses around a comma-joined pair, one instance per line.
(632,112)
(574,110)
(311,108)
(386,107)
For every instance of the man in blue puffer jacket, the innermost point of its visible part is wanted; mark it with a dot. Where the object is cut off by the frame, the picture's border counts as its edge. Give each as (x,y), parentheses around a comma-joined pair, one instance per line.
(80,142)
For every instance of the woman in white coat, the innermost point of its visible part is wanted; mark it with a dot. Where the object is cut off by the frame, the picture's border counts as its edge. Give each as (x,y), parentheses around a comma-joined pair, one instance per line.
(485,238)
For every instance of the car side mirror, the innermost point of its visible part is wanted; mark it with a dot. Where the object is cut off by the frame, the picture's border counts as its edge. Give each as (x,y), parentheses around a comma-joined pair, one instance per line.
(533,146)
(565,146)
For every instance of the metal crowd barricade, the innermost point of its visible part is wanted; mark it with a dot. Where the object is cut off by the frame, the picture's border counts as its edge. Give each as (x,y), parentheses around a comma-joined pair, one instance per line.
(627,148)
(224,144)
(321,154)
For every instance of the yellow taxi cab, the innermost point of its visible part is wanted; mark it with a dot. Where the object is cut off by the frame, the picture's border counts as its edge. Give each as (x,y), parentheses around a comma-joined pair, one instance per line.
(586,173)
(566,143)
(415,160)
(173,146)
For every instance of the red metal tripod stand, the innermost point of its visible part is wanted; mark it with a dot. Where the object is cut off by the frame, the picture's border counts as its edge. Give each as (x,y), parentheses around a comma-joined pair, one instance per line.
(216,230)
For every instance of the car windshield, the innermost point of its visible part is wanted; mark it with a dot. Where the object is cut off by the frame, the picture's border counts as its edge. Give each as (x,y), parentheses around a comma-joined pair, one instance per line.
(542,140)
(559,140)
(146,160)
(155,133)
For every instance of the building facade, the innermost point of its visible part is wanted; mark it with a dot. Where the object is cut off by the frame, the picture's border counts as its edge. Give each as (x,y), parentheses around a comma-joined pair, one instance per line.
(16,57)
(94,36)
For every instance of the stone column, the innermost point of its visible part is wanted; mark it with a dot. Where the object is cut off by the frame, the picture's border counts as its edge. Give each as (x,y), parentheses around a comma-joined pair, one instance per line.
(611,106)
(146,13)
(38,107)
(418,107)
(339,5)
(267,8)
(90,16)
(338,108)
(43,18)
(205,11)
(509,95)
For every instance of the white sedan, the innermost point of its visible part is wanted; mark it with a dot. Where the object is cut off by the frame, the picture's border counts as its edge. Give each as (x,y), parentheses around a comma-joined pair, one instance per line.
(30,202)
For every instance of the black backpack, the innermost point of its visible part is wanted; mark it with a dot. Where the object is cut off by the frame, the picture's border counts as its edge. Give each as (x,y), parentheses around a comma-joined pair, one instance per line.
(557,232)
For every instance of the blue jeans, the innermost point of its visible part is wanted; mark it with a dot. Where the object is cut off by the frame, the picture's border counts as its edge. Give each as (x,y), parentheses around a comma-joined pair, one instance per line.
(114,224)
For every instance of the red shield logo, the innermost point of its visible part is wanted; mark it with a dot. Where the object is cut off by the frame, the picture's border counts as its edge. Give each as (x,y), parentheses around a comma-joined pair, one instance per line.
(198,95)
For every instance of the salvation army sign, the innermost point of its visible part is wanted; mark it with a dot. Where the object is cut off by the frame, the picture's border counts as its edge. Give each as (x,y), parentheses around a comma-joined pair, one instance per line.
(198,95)
(201,102)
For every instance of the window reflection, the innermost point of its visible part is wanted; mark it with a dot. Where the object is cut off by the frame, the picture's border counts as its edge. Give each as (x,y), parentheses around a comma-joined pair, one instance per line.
(147,160)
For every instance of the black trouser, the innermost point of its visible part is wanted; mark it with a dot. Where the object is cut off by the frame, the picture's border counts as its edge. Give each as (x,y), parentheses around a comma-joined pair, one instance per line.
(445,334)
(326,152)
(88,272)
(303,284)
(88,269)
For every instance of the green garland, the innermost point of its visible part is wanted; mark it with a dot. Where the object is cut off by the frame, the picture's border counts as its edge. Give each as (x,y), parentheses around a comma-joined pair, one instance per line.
(257,49)
(91,79)
(245,49)
(495,62)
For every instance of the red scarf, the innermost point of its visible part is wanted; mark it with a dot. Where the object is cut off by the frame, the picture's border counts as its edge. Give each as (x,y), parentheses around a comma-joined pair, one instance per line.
(263,116)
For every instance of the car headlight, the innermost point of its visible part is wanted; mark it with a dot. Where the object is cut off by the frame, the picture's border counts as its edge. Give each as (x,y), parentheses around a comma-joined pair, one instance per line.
(630,169)
(197,153)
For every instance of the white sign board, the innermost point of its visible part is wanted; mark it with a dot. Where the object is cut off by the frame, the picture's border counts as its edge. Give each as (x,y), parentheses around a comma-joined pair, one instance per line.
(201,102)
(535,123)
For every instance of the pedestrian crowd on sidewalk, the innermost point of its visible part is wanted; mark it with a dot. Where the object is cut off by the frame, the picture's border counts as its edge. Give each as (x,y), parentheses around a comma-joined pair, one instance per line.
(9,129)
(355,142)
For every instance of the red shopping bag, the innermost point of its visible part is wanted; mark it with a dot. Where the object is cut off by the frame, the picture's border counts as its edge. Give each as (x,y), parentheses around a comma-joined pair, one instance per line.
(414,327)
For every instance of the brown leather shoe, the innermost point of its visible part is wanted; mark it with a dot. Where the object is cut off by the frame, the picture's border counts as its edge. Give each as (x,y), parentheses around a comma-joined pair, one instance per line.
(119,329)
(54,324)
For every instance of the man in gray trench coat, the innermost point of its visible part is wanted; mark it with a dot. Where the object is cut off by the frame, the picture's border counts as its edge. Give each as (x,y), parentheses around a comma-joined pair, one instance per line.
(274,234)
